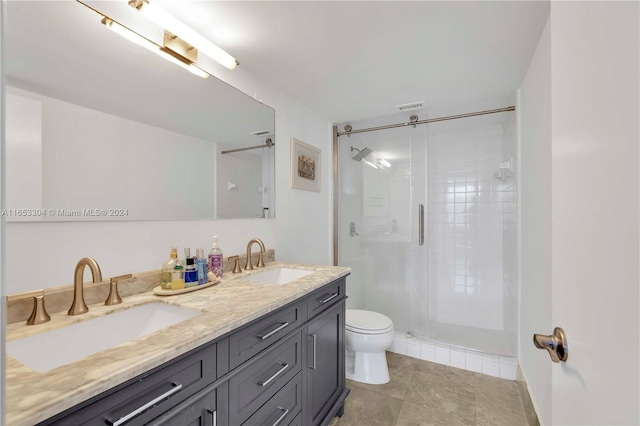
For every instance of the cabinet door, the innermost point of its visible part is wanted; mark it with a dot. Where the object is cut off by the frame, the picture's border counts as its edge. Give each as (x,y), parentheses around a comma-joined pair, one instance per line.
(325,363)
(199,410)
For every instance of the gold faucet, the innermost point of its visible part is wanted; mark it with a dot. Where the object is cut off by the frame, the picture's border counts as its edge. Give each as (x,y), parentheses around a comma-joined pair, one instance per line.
(248,264)
(79,306)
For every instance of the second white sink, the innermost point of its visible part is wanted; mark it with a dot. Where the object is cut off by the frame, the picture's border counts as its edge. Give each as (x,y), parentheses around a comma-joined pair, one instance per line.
(278,276)
(51,349)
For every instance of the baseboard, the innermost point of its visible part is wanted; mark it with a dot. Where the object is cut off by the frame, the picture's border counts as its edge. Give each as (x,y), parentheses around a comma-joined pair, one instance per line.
(529,407)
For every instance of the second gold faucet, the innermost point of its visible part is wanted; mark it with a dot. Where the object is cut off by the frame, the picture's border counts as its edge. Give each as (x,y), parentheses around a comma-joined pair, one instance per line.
(78,306)
(248,264)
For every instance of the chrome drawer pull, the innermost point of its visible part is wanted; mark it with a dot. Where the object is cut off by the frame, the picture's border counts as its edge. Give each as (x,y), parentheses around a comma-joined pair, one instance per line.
(333,296)
(144,407)
(272,332)
(313,336)
(266,382)
(286,411)
(214,417)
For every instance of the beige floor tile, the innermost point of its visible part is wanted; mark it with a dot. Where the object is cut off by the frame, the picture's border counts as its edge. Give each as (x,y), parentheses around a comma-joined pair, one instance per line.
(425,393)
(396,388)
(418,415)
(444,396)
(367,408)
(498,402)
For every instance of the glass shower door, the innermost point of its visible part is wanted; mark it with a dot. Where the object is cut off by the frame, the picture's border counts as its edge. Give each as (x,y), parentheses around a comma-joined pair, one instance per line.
(379,193)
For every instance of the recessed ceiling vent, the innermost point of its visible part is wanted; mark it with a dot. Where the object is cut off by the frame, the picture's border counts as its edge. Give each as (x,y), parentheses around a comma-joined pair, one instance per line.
(410,106)
(260,132)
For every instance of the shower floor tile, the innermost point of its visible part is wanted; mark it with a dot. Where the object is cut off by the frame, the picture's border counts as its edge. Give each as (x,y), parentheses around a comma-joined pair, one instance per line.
(425,393)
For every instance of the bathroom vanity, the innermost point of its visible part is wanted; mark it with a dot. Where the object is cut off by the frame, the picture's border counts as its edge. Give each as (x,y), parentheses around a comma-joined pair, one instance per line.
(259,354)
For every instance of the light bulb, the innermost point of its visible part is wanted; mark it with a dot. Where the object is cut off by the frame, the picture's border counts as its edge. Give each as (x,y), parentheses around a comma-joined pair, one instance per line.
(136,38)
(168,22)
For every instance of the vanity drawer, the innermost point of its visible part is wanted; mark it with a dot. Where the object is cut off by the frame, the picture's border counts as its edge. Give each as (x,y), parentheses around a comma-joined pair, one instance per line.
(281,408)
(259,381)
(148,395)
(261,334)
(325,297)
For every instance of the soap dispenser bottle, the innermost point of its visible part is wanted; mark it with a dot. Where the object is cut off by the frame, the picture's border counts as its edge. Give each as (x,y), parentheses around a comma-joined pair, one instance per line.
(177,276)
(201,266)
(167,270)
(215,258)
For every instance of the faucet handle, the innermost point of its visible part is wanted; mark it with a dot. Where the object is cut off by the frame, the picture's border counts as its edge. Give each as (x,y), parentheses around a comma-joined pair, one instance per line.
(114,297)
(39,313)
(236,264)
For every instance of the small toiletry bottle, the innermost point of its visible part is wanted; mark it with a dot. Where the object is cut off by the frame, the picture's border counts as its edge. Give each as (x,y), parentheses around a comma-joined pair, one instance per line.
(177,276)
(215,258)
(167,270)
(190,270)
(201,266)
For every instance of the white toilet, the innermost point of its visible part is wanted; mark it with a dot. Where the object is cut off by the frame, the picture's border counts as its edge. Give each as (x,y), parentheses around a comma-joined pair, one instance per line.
(368,335)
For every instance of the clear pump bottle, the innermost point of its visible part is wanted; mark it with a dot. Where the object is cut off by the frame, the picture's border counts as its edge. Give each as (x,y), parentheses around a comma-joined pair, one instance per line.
(215,258)
(167,270)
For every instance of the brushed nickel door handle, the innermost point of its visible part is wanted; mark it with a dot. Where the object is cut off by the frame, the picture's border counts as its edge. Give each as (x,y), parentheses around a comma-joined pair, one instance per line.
(556,344)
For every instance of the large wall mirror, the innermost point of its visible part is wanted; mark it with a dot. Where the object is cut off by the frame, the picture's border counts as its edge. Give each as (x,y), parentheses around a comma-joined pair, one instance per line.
(98,128)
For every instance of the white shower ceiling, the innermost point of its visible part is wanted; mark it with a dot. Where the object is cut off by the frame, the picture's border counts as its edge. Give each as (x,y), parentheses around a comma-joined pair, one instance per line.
(352,60)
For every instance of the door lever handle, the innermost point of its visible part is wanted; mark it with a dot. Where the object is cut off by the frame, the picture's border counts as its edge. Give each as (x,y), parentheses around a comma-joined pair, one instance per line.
(556,344)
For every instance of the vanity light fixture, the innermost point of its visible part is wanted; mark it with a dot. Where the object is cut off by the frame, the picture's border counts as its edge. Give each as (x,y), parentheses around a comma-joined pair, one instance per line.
(156,14)
(149,45)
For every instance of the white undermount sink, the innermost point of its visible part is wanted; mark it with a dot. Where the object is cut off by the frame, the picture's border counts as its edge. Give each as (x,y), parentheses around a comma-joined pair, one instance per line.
(278,276)
(51,349)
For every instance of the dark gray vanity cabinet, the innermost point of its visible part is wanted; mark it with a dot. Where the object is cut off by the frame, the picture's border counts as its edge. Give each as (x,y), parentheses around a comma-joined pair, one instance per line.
(284,368)
(325,373)
(325,390)
(146,397)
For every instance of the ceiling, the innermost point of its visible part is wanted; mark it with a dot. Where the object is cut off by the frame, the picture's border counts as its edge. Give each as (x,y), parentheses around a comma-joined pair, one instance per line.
(343,60)
(353,60)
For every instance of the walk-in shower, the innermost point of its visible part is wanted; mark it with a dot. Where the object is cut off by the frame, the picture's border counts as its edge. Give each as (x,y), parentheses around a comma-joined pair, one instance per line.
(459,288)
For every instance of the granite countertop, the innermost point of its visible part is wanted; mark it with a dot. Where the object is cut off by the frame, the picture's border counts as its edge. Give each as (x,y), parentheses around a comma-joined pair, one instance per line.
(31,397)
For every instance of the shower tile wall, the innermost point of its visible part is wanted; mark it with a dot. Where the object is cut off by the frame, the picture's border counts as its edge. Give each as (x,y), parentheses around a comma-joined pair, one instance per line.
(465,205)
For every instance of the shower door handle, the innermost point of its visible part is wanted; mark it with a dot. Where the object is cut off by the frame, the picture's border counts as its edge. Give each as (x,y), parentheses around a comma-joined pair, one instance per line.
(420,224)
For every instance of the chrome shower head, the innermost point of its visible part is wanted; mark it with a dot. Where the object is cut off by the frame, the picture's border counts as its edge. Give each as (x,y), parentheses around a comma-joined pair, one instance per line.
(361,153)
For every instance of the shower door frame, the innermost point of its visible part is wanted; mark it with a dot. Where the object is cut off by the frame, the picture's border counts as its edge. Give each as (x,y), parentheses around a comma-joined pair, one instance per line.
(413,290)
(336,134)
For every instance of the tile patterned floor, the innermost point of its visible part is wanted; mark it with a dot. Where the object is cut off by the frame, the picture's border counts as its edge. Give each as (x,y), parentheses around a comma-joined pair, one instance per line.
(425,393)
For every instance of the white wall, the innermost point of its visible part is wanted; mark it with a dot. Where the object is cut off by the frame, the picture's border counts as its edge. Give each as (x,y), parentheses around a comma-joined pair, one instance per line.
(535,211)
(301,232)
(238,182)
(595,97)
(23,134)
(579,109)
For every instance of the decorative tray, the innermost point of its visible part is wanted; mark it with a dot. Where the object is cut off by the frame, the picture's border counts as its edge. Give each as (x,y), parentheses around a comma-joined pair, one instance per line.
(162,292)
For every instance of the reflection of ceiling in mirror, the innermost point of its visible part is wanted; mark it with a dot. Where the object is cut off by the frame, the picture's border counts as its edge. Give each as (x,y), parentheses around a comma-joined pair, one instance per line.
(60,49)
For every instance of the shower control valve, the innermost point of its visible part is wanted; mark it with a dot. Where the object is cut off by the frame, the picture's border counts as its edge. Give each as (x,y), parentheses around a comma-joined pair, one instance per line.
(352,230)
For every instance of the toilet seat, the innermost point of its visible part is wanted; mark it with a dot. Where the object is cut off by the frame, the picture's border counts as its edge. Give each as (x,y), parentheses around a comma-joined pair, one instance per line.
(367,322)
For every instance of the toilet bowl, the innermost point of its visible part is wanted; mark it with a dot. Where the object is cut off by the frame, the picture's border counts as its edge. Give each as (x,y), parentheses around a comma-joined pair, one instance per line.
(368,335)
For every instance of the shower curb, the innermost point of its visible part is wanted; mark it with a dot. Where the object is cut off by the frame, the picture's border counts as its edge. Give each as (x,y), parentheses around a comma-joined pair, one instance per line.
(504,367)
